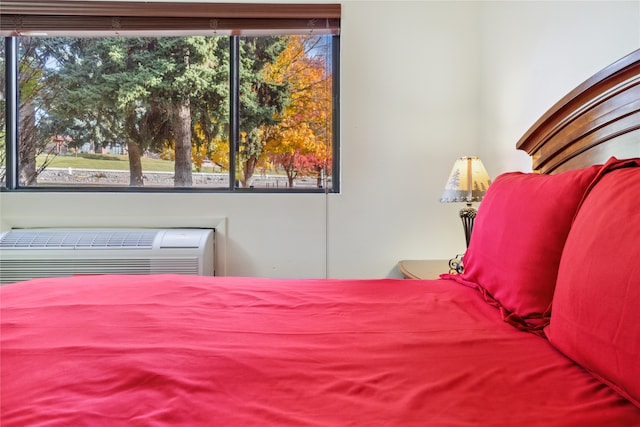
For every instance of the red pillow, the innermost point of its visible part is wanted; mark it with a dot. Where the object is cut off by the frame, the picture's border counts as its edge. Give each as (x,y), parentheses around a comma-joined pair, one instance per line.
(517,241)
(596,307)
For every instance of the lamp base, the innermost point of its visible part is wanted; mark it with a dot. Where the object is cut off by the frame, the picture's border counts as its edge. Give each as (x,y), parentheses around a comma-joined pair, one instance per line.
(455,265)
(468,216)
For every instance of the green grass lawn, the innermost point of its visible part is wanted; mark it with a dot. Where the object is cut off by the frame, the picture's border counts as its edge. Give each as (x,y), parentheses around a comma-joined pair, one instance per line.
(110,162)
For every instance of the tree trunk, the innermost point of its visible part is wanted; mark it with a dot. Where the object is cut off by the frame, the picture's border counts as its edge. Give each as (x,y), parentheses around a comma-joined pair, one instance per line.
(320,176)
(28,143)
(290,178)
(182,132)
(248,170)
(135,165)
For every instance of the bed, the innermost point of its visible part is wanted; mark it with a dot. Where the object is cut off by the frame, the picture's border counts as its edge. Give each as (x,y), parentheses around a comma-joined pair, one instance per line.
(541,328)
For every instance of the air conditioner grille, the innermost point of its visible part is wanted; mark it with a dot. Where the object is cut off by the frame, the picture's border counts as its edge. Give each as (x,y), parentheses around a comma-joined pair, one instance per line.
(31,253)
(72,239)
(24,269)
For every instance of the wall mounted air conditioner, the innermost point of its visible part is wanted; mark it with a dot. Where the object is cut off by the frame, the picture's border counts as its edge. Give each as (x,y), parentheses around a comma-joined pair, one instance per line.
(39,252)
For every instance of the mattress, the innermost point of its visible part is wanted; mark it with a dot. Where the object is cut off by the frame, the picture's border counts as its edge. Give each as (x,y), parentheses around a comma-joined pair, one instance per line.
(169,350)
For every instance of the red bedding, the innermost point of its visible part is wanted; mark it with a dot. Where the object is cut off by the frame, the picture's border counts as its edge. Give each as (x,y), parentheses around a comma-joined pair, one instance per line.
(201,351)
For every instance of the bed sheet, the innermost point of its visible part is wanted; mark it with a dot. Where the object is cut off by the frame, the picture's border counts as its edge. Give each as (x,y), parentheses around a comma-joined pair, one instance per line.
(199,351)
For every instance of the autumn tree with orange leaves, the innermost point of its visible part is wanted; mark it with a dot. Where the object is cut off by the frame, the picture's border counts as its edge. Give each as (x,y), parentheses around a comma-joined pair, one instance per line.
(300,143)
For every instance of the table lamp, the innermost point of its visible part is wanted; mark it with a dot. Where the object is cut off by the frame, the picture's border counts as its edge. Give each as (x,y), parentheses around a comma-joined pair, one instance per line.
(468,182)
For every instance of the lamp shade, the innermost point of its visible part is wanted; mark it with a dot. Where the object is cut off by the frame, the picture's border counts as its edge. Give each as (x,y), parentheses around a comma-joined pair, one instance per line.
(468,181)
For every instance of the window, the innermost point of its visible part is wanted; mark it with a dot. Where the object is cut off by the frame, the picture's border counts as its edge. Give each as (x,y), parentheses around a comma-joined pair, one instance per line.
(188,96)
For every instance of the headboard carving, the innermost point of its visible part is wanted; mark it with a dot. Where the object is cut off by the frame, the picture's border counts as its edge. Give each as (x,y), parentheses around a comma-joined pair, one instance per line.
(598,119)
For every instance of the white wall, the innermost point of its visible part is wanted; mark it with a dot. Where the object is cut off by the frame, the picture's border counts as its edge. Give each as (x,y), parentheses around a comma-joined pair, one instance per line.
(423,82)
(409,108)
(534,53)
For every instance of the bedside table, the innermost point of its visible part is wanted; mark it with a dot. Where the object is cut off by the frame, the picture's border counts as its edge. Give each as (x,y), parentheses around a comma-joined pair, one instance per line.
(423,269)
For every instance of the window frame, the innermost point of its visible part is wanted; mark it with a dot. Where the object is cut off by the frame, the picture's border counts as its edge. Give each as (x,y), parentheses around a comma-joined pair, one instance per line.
(60,18)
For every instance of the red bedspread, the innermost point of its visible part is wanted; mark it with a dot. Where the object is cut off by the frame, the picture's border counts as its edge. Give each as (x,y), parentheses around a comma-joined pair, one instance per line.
(197,351)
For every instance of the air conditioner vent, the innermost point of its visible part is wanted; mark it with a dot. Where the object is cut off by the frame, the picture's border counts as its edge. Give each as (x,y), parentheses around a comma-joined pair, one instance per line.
(14,270)
(33,253)
(71,239)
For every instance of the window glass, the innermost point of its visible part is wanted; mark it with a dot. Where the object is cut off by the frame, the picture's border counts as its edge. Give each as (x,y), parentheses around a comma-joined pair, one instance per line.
(3,129)
(285,112)
(156,112)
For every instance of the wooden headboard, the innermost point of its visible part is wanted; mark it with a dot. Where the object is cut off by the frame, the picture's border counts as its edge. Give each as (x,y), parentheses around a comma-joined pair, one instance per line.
(597,120)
